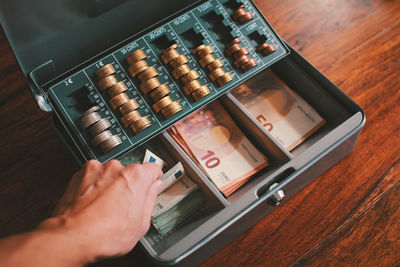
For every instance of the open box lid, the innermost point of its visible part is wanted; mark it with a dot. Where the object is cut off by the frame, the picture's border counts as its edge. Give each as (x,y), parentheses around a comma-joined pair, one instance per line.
(49,37)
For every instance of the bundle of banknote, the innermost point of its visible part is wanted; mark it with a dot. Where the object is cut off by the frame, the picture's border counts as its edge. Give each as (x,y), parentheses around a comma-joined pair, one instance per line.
(180,197)
(176,204)
(282,112)
(213,140)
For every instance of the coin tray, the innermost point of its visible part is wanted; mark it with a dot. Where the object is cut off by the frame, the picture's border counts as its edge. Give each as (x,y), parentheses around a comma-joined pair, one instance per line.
(209,23)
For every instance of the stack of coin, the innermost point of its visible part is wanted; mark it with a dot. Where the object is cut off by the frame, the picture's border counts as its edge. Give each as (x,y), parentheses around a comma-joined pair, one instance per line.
(131,118)
(149,84)
(137,62)
(116,91)
(240,55)
(214,66)
(181,71)
(241,15)
(266,48)
(99,130)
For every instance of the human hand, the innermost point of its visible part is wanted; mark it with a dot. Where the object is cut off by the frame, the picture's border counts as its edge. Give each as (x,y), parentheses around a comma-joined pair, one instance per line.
(107,208)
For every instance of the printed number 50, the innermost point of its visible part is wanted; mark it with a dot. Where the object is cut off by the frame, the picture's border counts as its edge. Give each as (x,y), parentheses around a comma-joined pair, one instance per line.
(261,119)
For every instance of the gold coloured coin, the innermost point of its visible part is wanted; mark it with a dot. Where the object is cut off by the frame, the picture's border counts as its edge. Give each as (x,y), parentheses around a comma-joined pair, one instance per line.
(215,64)
(105,71)
(239,12)
(235,41)
(137,67)
(245,18)
(137,55)
(107,82)
(190,76)
(173,46)
(171,109)
(249,65)
(200,93)
(241,52)
(180,71)
(198,48)
(117,89)
(129,106)
(179,61)
(204,61)
(191,86)
(101,137)
(89,119)
(224,79)
(241,61)
(149,85)
(266,49)
(118,100)
(162,103)
(99,126)
(215,74)
(130,118)
(90,110)
(230,50)
(148,73)
(160,92)
(169,55)
(205,51)
(140,125)
(110,143)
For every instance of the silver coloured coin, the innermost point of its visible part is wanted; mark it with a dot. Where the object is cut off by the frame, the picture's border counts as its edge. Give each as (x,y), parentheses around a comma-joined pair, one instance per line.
(89,119)
(110,143)
(99,126)
(91,110)
(101,137)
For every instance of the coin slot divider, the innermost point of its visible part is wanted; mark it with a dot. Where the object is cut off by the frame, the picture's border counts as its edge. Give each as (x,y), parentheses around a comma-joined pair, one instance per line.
(265,142)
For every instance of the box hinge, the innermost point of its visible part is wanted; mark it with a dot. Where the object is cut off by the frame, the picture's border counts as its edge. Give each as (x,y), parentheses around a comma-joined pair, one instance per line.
(38,77)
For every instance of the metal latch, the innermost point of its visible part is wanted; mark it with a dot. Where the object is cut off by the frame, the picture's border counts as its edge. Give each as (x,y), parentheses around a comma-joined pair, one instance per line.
(278,196)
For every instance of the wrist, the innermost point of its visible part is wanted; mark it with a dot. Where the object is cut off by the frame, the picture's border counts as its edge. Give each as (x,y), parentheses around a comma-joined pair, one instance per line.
(69,241)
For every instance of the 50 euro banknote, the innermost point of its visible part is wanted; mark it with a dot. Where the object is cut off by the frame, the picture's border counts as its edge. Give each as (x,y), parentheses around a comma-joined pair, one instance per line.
(282,112)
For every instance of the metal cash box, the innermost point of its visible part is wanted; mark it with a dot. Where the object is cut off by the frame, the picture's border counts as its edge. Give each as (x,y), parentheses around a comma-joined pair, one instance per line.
(62,45)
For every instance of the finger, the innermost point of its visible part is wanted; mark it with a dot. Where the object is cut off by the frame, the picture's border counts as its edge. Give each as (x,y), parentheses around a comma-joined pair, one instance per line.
(143,174)
(92,171)
(112,170)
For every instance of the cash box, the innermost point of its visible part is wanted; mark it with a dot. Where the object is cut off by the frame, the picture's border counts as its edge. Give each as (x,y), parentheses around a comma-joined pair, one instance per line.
(131,69)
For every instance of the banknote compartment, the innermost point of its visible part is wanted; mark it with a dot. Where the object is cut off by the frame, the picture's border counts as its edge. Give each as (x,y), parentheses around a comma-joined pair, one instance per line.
(153,241)
(260,138)
(318,95)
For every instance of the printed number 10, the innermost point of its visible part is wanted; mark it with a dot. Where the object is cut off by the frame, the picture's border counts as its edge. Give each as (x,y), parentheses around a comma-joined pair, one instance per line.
(210,162)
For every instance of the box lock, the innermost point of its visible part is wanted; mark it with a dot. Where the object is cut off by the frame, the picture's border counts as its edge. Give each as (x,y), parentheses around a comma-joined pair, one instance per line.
(277,197)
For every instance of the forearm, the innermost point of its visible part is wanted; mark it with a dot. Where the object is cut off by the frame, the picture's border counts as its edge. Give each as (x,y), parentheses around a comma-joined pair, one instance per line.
(55,244)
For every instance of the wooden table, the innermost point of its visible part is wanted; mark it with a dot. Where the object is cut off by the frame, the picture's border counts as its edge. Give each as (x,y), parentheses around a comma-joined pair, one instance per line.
(349,215)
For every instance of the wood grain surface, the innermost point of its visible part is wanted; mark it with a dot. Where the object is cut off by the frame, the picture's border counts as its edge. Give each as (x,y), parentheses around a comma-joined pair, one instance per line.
(348,216)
